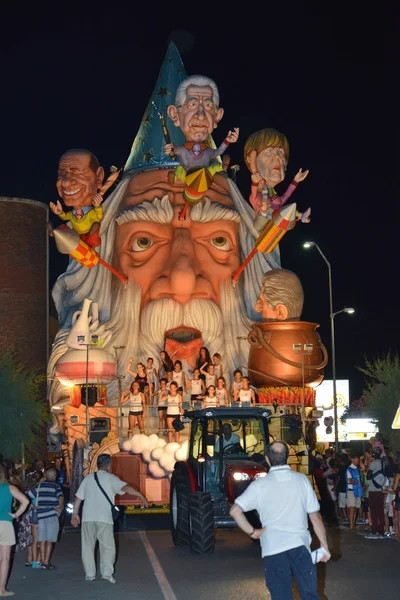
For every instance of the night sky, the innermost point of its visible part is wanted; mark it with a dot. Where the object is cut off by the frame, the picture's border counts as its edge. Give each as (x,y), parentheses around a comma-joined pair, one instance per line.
(326,80)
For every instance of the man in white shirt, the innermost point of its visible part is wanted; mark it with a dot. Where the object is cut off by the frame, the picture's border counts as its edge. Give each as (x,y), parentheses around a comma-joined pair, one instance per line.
(228,438)
(97,520)
(284,501)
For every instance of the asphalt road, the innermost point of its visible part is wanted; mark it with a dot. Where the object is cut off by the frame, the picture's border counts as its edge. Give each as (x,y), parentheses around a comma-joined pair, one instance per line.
(148,563)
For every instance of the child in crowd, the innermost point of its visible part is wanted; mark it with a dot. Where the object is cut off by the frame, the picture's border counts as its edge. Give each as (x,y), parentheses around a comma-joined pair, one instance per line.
(218,365)
(245,393)
(210,377)
(211,400)
(162,394)
(152,375)
(196,386)
(179,376)
(221,392)
(236,383)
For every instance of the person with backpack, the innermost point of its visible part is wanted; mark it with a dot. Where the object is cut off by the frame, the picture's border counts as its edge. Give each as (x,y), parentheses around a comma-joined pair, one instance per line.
(376,496)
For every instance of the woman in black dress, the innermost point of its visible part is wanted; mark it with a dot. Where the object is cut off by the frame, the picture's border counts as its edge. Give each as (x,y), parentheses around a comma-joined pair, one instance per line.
(203,360)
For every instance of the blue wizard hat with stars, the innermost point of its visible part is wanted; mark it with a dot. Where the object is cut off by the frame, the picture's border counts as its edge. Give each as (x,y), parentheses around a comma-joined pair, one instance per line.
(148,147)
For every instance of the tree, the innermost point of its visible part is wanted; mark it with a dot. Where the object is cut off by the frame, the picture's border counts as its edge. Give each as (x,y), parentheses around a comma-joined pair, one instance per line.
(382,395)
(22,408)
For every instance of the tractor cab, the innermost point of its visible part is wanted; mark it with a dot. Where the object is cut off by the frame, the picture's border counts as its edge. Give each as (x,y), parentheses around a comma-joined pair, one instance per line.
(226,453)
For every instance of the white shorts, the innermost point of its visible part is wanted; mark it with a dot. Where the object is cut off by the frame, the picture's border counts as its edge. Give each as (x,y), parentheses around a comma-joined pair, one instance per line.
(7,533)
(352,500)
(342,500)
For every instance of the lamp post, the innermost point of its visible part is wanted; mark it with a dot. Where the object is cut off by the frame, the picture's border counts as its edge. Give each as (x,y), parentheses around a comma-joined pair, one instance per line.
(332,316)
(303,350)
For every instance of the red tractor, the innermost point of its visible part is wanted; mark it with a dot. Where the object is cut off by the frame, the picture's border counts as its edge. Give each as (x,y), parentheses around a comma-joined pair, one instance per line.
(226,453)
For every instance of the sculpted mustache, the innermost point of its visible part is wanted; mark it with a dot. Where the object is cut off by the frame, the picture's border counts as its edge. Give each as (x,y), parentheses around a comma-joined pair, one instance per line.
(162,315)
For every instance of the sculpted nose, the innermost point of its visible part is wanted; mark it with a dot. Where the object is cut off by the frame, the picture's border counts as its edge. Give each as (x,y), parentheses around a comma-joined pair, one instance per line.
(182,279)
(200,112)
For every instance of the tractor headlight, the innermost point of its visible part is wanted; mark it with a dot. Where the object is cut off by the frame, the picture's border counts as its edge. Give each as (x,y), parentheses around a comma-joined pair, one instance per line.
(241,476)
(260,475)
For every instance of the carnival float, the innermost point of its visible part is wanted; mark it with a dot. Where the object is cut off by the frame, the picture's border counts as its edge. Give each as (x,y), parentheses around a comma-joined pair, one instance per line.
(174,259)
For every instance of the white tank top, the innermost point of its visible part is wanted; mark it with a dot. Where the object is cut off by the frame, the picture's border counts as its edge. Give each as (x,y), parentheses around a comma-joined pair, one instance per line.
(244,396)
(152,374)
(178,377)
(237,385)
(173,405)
(195,387)
(162,398)
(221,396)
(210,380)
(217,370)
(210,402)
(135,403)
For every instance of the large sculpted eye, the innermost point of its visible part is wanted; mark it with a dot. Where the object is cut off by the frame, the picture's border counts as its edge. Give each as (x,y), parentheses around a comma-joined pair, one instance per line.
(221,243)
(141,244)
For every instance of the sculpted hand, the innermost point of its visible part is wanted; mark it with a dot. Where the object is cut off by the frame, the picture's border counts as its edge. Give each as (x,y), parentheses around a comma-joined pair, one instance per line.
(97,199)
(232,136)
(145,502)
(168,148)
(301,175)
(56,208)
(256,178)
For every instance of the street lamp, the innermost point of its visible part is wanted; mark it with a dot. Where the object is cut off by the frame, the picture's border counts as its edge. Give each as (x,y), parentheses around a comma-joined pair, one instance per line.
(332,316)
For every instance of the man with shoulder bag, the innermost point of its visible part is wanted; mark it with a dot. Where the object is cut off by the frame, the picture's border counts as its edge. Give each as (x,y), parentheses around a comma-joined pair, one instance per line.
(98,491)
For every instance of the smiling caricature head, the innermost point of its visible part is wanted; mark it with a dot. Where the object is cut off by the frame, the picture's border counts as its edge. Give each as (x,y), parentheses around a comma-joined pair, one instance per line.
(79,177)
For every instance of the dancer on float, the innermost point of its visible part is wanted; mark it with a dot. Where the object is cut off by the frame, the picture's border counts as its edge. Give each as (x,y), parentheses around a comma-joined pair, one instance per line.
(174,409)
(236,383)
(218,369)
(179,376)
(141,376)
(162,394)
(209,374)
(211,400)
(136,402)
(245,393)
(196,387)
(221,392)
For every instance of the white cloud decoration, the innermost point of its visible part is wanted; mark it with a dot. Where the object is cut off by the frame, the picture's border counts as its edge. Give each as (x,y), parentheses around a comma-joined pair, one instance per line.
(159,456)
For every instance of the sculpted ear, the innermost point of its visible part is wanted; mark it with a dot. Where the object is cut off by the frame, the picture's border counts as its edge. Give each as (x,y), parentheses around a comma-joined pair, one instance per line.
(251,159)
(99,177)
(281,312)
(173,114)
(218,116)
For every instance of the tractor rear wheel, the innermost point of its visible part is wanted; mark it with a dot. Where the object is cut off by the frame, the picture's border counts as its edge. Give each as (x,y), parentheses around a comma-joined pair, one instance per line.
(179,509)
(201,513)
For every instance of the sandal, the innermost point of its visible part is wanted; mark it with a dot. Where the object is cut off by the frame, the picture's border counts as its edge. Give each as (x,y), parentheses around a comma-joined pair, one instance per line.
(28,564)
(48,567)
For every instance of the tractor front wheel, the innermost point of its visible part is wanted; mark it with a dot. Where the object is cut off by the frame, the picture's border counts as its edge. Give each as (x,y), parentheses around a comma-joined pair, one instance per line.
(179,509)
(201,514)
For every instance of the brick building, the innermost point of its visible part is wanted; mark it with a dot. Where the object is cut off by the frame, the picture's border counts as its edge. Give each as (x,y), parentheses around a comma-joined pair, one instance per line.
(24,303)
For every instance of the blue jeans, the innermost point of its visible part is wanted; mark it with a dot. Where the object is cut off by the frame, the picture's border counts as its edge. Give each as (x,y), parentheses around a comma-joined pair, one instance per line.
(278,570)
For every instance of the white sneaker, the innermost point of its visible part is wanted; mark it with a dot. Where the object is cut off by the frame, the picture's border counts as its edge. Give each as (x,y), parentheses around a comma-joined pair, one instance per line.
(90,578)
(110,579)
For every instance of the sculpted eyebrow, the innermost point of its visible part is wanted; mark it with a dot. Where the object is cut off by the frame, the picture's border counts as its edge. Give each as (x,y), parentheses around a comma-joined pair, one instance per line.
(157,211)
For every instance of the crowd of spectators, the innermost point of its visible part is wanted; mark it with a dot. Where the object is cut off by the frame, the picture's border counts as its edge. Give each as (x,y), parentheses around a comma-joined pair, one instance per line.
(361,491)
